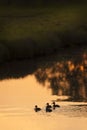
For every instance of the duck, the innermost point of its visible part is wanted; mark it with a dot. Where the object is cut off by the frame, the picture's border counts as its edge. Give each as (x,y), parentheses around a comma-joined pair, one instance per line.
(37,109)
(55,105)
(48,105)
(48,108)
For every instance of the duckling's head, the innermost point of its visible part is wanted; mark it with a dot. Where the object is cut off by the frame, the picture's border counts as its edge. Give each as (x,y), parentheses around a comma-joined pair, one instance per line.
(53,102)
(47,103)
(35,106)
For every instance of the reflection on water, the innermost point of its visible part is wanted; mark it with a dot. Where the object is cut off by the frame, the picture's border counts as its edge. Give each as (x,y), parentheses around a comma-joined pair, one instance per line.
(24,85)
(68,110)
(65,74)
(26,91)
(66,77)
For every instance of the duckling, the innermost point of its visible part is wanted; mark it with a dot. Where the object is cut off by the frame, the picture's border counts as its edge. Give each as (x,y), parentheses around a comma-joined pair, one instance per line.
(37,109)
(48,108)
(55,105)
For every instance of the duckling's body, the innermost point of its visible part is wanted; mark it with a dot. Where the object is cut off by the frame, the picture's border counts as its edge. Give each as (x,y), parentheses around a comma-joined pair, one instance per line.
(37,109)
(48,105)
(55,105)
(48,108)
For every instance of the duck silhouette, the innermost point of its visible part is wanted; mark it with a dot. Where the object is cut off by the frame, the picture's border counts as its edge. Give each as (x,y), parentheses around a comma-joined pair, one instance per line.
(48,108)
(55,105)
(37,109)
(48,105)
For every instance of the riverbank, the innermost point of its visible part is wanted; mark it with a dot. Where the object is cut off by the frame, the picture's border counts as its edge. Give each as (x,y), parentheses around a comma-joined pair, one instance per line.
(41,31)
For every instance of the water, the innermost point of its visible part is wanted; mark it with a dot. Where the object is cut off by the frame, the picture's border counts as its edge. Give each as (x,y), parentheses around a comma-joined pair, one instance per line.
(24,85)
(18,98)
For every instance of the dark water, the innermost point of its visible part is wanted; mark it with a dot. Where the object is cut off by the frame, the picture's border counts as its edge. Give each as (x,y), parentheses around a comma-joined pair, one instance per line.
(66,72)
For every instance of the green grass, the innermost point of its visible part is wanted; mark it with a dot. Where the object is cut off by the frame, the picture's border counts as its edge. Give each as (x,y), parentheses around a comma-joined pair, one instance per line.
(47,27)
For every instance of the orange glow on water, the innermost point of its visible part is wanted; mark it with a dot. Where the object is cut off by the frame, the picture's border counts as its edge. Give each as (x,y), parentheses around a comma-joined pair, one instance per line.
(17,99)
(25,91)
(81,67)
(71,66)
(19,96)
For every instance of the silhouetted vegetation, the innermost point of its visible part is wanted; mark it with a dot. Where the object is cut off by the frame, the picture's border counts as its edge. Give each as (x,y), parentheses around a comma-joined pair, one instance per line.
(65,73)
(37,2)
(66,77)
(27,32)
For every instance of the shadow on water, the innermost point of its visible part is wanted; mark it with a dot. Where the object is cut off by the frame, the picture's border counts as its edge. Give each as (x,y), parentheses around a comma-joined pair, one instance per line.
(65,73)
(17,69)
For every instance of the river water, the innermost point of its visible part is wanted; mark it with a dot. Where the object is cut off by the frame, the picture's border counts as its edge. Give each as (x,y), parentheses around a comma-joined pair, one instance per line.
(18,98)
(19,95)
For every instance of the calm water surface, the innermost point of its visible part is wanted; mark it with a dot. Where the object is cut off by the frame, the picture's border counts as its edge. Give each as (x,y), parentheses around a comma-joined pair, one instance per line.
(18,96)
(17,100)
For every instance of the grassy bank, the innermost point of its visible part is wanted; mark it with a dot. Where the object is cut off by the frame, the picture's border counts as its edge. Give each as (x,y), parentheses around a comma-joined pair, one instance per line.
(27,32)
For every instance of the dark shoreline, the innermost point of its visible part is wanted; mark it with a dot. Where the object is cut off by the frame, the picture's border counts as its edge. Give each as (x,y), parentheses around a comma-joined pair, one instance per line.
(19,68)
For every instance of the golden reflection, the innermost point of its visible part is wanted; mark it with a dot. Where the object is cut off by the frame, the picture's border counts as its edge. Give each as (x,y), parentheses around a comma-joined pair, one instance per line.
(81,67)
(19,96)
(71,66)
(25,92)
(66,77)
